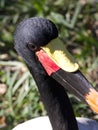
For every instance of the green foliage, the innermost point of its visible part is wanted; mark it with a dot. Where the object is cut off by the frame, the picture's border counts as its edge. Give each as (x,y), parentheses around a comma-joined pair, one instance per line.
(21,100)
(74,20)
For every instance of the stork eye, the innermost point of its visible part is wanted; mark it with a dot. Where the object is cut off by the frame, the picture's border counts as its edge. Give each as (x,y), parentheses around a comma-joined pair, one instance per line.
(32,47)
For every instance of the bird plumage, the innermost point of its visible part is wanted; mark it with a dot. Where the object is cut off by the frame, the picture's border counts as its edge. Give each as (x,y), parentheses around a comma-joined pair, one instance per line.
(43,123)
(29,37)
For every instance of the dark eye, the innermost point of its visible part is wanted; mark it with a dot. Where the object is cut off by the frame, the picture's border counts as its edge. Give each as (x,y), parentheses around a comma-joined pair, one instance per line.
(32,47)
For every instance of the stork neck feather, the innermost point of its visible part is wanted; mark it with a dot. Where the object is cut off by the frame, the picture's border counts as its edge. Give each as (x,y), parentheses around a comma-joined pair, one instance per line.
(56,103)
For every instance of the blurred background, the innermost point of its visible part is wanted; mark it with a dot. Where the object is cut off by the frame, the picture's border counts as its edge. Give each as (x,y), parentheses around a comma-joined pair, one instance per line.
(77,22)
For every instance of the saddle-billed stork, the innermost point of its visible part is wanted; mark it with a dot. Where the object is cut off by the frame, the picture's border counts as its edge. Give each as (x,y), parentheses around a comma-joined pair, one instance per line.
(54,70)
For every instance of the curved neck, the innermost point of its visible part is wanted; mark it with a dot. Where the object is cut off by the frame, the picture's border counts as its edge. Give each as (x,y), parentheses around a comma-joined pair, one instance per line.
(56,102)
(52,93)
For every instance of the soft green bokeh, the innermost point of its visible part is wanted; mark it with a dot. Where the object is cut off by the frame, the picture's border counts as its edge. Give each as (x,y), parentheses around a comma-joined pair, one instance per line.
(74,20)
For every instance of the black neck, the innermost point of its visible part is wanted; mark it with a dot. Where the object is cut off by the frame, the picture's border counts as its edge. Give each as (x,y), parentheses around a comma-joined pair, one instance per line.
(56,103)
